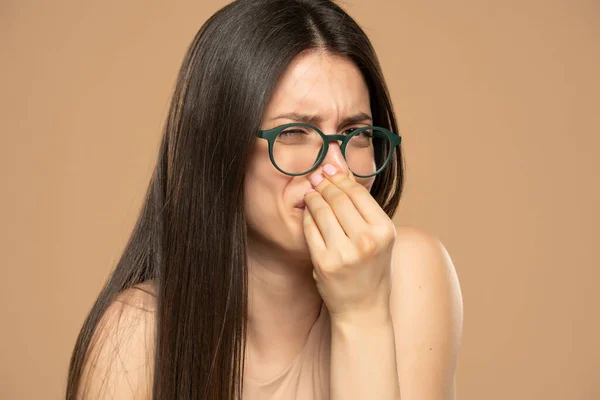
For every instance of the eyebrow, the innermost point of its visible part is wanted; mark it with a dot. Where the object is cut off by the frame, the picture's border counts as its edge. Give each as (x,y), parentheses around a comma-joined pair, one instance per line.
(317,119)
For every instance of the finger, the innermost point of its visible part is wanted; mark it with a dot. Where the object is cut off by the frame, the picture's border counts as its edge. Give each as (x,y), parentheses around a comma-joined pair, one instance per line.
(347,214)
(314,239)
(366,205)
(325,220)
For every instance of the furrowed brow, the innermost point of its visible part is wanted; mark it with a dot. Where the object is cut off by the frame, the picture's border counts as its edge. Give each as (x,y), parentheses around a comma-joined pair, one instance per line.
(317,119)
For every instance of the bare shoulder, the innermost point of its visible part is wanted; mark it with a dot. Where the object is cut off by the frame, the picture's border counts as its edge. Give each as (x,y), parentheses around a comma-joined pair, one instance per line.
(142,296)
(120,358)
(423,271)
(421,253)
(427,313)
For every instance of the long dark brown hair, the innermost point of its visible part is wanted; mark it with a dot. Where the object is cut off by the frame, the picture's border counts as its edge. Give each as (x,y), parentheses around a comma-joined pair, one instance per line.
(190,236)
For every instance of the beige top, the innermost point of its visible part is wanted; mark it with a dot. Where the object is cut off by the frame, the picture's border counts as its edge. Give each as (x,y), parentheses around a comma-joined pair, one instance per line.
(307,377)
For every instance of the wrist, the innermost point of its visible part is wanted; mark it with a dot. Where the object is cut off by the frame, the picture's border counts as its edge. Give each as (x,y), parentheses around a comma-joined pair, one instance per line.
(372,318)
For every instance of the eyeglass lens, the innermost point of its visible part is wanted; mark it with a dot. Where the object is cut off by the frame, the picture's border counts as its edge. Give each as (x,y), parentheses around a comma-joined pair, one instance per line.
(297,148)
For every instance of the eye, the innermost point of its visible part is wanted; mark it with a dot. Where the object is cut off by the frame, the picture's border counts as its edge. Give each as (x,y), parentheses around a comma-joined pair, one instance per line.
(367,133)
(293,132)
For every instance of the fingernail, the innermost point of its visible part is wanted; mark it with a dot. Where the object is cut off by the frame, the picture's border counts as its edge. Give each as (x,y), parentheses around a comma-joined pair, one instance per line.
(329,169)
(309,191)
(316,179)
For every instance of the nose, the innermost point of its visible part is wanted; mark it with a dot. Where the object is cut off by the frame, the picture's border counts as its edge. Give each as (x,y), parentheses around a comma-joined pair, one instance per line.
(334,157)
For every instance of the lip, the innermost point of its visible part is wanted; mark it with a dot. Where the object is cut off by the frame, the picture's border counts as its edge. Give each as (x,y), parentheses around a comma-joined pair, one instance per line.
(300,205)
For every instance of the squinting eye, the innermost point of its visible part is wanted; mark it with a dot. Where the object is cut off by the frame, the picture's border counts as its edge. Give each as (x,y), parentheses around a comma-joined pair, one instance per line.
(367,133)
(293,132)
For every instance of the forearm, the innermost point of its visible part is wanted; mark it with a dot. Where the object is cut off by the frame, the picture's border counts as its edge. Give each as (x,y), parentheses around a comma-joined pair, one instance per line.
(363,358)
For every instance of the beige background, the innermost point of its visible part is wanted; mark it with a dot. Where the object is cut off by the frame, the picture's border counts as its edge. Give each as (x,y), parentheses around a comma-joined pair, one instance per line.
(498,104)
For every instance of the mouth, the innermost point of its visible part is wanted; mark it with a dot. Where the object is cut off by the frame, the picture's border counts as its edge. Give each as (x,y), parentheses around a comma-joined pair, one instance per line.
(300,205)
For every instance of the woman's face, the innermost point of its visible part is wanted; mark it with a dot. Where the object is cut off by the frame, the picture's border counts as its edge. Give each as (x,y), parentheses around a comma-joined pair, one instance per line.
(315,84)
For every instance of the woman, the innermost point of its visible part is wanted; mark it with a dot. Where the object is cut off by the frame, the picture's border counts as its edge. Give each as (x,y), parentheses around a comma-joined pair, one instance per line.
(264,263)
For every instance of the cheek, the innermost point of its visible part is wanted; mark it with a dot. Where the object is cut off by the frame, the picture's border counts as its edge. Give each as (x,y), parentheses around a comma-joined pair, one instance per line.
(264,188)
(366,182)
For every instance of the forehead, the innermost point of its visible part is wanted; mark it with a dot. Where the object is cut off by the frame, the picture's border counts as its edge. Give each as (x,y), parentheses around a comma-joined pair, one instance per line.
(319,83)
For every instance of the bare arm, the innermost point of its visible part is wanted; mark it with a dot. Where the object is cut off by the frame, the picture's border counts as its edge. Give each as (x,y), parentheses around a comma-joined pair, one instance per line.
(427,312)
(363,358)
(120,358)
(410,349)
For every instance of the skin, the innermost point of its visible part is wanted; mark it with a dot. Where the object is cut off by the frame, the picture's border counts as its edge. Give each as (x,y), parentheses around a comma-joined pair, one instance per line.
(279,323)
(392,292)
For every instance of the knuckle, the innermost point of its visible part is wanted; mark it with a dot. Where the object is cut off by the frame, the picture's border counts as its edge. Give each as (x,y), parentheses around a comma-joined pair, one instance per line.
(391,231)
(326,265)
(386,232)
(367,243)
(351,258)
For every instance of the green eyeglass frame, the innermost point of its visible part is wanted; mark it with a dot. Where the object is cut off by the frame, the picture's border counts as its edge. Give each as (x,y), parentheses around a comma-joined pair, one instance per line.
(271,134)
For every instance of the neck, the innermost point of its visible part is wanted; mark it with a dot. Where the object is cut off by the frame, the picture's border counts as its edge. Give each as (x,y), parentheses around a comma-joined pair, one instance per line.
(283,305)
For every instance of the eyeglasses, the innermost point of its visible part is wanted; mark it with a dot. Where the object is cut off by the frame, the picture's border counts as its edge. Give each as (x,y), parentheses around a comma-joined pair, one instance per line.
(297,149)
